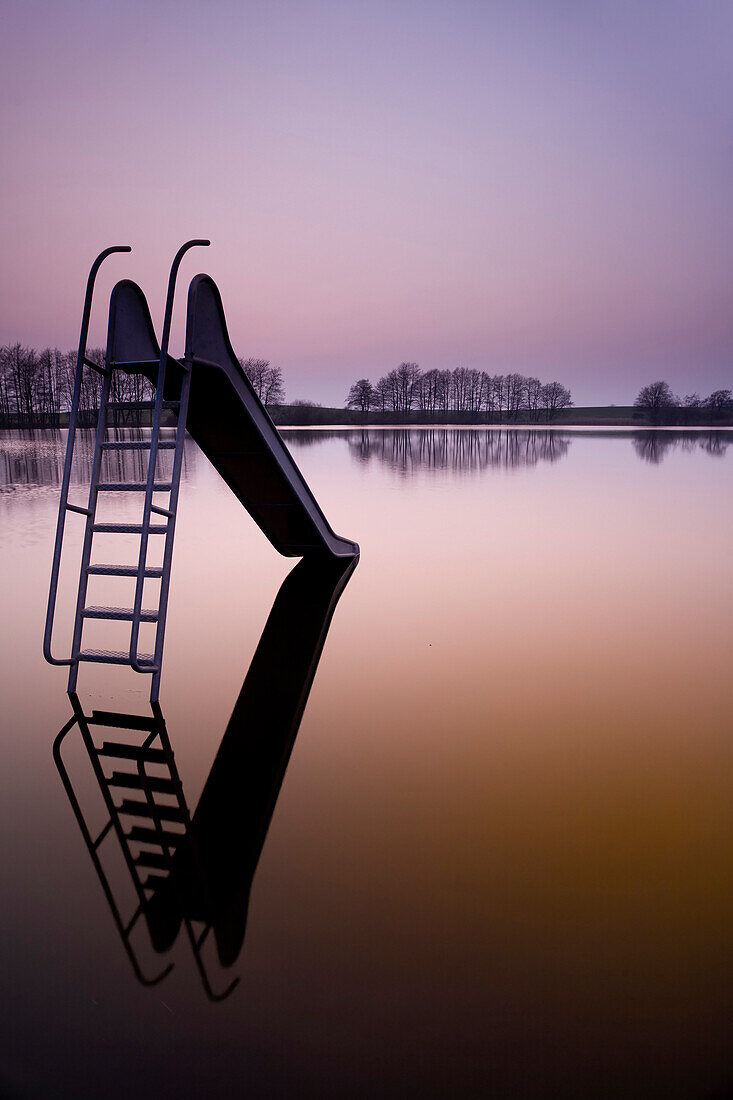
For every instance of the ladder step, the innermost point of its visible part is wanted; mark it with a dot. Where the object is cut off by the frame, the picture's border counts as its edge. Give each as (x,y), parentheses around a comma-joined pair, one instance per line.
(152,859)
(114,657)
(133,487)
(134,782)
(123,571)
(118,750)
(138,445)
(134,808)
(142,835)
(146,615)
(128,528)
(123,721)
(153,882)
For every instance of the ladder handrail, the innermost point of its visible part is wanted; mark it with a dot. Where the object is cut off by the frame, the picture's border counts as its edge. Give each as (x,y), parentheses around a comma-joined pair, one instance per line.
(89,530)
(73,415)
(169,536)
(149,487)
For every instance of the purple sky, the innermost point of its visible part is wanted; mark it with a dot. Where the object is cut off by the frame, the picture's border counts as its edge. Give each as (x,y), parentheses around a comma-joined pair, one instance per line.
(542,187)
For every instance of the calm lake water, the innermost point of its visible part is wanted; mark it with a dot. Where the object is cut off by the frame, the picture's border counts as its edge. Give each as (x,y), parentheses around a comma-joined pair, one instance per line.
(501,859)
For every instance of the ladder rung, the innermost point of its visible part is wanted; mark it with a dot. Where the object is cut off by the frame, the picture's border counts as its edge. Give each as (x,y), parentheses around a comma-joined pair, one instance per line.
(161,511)
(152,859)
(114,657)
(133,781)
(123,571)
(118,750)
(138,445)
(142,835)
(123,721)
(139,364)
(76,508)
(153,882)
(133,487)
(128,528)
(95,366)
(134,808)
(147,615)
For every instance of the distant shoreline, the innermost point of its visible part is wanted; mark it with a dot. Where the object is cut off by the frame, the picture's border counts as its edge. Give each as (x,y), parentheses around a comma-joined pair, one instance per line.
(599,416)
(318,416)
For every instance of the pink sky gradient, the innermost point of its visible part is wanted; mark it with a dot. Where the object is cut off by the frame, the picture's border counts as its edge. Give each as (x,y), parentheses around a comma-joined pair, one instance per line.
(541,187)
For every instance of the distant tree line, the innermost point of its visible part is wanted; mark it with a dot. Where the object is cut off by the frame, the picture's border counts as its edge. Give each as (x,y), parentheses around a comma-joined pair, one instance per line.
(37,386)
(660,406)
(501,398)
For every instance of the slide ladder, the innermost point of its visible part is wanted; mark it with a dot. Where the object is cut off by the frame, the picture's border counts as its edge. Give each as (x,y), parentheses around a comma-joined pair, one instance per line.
(159,493)
(208,394)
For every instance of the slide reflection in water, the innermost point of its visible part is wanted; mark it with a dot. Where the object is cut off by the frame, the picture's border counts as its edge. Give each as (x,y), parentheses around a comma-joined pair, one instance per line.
(196,869)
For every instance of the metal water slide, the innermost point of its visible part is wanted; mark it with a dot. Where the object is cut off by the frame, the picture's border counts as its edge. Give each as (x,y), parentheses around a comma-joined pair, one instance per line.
(207,393)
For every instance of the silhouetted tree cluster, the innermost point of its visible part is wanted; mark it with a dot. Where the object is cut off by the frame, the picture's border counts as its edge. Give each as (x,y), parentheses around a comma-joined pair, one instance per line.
(35,387)
(660,406)
(503,398)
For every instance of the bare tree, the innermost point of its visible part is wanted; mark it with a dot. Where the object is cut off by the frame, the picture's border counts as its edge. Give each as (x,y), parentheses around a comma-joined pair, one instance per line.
(361,396)
(656,401)
(382,394)
(407,381)
(499,394)
(460,389)
(273,391)
(400,389)
(256,370)
(720,404)
(267,381)
(555,397)
(533,396)
(443,390)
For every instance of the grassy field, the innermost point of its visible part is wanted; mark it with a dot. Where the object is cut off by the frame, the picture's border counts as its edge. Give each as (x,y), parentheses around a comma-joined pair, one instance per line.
(297,415)
(318,415)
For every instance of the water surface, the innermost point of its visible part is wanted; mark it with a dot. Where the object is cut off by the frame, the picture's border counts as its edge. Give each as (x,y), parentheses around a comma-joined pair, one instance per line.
(500,860)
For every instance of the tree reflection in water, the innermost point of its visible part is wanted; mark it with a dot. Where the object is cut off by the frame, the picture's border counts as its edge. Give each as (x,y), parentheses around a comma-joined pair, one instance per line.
(458,450)
(652,446)
(35,456)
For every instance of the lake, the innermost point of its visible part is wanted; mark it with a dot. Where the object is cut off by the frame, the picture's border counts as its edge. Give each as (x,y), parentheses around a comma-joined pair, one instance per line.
(499,862)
